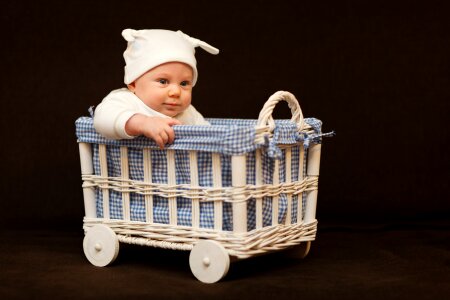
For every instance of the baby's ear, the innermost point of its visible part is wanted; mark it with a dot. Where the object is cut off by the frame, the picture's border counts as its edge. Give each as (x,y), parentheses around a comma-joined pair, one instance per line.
(131,86)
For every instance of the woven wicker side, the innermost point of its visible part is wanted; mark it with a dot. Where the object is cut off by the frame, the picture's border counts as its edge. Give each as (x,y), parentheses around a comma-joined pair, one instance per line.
(241,245)
(259,193)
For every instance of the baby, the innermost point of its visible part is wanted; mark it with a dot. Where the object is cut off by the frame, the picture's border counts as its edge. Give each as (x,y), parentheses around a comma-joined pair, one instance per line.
(160,73)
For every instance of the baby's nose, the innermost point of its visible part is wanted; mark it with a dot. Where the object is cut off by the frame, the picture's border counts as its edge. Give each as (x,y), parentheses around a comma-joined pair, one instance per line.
(174,90)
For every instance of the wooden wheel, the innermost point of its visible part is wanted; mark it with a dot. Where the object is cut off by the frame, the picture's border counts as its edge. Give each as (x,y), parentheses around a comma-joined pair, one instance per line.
(209,261)
(300,251)
(101,245)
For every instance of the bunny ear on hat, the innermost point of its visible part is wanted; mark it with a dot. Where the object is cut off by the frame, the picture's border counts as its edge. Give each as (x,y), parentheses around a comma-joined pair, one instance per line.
(129,34)
(198,43)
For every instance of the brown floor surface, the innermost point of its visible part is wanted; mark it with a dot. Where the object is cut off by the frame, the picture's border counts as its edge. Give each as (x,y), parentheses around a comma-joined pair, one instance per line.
(409,261)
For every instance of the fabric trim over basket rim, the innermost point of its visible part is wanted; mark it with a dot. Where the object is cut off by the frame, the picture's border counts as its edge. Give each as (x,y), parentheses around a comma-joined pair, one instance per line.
(226,136)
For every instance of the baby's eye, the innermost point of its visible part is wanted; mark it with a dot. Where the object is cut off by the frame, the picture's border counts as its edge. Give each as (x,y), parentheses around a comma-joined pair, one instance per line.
(163,81)
(185,83)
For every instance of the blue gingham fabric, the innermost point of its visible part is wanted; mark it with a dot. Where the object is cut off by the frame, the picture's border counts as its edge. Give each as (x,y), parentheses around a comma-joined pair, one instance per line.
(227,137)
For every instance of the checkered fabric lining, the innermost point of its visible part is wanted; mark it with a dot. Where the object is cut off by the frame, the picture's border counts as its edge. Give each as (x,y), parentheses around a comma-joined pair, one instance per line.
(86,133)
(226,136)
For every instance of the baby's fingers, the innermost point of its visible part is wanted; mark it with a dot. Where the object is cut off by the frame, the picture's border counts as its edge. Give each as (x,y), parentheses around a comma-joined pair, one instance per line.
(170,135)
(159,141)
(165,136)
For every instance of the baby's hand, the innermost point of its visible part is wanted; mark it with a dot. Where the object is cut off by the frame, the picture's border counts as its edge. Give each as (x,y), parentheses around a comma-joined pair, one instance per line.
(160,130)
(157,128)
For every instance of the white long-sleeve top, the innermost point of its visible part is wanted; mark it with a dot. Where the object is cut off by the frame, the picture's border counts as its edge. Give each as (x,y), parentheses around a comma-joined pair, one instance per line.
(120,105)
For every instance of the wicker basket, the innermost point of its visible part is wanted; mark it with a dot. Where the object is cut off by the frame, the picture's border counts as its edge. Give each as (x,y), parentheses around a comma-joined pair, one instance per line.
(238,188)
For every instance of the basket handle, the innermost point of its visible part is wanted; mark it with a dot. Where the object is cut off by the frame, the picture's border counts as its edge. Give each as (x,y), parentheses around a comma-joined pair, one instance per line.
(265,116)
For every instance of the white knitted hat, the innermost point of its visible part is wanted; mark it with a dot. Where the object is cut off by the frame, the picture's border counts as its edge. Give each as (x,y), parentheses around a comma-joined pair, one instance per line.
(150,48)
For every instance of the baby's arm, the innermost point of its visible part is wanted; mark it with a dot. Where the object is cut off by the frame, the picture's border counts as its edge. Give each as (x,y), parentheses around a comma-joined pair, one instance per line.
(157,128)
(118,117)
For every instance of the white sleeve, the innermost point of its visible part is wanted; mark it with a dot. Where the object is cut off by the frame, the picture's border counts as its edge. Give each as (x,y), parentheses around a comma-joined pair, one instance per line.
(111,115)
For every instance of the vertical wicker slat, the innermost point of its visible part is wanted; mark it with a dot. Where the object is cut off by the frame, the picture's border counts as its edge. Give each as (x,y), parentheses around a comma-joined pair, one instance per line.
(313,171)
(217,183)
(104,173)
(301,176)
(238,179)
(171,180)
(148,199)
(288,179)
(275,199)
(258,182)
(193,165)
(125,175)
(87,168)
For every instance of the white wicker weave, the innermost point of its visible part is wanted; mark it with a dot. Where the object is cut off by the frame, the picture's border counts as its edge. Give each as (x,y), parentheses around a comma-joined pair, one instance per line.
(239,242)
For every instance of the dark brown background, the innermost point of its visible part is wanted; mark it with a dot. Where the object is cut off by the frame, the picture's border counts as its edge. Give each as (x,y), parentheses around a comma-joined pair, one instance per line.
(376,72)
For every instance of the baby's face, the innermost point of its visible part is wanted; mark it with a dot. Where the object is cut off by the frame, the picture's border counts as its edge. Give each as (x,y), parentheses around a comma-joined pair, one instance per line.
(166,88)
